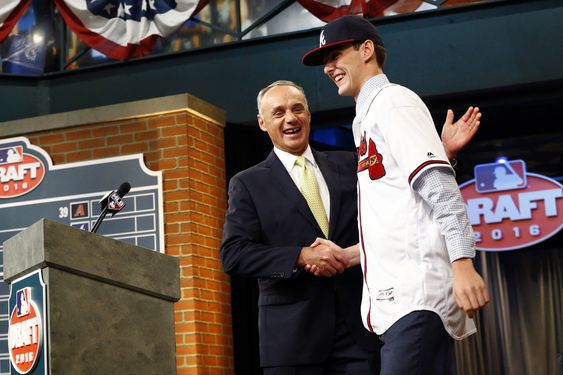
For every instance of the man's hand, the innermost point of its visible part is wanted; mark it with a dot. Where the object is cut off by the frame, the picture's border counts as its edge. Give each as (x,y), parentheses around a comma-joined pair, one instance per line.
(469,289)
(456,136)
(349,256)
(325,259)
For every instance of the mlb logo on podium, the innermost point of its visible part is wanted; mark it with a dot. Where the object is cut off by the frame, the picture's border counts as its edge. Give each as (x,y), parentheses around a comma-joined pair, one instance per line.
(493,177)
(22,302)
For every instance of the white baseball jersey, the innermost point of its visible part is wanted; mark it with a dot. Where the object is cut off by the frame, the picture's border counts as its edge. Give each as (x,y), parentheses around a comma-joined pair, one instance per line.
(403,254)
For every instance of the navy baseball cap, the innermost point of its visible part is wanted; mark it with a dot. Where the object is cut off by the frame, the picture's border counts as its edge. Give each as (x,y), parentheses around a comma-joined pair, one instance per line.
(346,29)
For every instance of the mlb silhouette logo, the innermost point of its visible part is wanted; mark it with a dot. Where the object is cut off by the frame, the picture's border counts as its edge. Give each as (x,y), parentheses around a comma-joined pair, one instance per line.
(11,154)
(500,176)
(115,203)
(22,302)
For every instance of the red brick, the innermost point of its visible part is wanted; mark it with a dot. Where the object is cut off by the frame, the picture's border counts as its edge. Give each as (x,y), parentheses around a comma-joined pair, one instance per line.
(91,143)
(105,131)
(176,173)
(194,132)
(155,155)
(170,185)
(174,239)
(178,195)
(105,152)
(58,159)
(120,139)
(52,138)
(167,121)
(161,143)
(63,148)
(173,152)
(133,127)
(146,136)
(164,164)
(134,148)
(79,156)
(75,135)
(171,228)
(182,141)
(173,131)
(182,118)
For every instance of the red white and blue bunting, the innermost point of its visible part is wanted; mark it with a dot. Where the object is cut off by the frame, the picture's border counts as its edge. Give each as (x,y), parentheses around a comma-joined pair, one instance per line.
(124,29)
(328,10)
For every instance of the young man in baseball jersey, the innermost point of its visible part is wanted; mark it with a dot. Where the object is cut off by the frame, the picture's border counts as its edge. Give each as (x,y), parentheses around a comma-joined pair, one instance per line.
(417,247)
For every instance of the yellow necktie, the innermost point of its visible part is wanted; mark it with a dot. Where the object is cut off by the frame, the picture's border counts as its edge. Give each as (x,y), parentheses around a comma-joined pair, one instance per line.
(310,190)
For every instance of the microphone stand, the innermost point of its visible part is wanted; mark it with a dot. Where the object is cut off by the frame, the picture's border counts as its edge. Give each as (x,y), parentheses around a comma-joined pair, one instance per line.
(104,205)
(114,206)
(99,220)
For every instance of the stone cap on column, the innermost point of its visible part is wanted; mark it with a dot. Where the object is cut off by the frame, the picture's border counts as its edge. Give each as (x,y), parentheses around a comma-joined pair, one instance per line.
(48,243)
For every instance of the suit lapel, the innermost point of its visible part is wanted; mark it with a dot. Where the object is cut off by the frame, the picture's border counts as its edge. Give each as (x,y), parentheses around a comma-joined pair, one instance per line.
(331,175)
(283,182)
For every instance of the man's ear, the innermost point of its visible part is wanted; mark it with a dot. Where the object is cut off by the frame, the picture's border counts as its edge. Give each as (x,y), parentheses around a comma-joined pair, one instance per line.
(368,50)
(261,123)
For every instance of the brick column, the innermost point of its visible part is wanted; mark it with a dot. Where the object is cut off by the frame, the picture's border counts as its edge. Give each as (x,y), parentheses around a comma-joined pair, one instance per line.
(187,145)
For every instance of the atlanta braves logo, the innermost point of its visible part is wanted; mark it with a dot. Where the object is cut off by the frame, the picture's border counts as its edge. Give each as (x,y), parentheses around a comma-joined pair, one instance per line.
(373,162)
(363,146)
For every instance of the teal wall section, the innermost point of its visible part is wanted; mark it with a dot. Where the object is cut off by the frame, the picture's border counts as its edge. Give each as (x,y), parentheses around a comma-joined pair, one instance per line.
(471,49)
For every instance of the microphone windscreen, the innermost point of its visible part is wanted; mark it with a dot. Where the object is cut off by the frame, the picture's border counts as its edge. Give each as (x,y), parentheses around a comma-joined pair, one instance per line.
(123,189)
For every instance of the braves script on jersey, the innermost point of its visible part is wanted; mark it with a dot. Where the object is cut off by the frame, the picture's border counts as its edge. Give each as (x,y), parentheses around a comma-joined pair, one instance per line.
(403,254)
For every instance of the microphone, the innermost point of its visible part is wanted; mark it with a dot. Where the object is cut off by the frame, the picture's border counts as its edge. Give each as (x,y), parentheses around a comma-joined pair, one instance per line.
(112,202)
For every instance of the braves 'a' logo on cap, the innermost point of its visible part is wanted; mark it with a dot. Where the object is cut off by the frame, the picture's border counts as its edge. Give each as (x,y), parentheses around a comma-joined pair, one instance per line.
(322,40)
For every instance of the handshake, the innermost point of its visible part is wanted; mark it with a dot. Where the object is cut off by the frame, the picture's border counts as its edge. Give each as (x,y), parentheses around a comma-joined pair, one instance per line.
(325,258)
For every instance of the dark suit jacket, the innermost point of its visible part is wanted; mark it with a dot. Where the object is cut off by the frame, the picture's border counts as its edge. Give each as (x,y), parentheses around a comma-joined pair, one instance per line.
(268,222)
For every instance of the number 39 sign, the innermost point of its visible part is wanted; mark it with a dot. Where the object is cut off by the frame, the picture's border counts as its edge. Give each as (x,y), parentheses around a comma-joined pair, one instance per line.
(509,208)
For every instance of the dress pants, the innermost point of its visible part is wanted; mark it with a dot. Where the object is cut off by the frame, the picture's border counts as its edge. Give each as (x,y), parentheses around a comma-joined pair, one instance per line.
(417,344)
(346,358)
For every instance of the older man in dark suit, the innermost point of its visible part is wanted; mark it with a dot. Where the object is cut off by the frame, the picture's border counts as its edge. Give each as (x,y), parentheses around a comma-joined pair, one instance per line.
(277,209)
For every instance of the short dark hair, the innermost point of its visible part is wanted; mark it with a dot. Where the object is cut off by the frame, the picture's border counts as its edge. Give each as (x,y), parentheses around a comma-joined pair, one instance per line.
(380,52)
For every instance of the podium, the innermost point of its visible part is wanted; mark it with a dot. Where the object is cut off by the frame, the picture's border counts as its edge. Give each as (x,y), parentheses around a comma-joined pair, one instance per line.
(109,305)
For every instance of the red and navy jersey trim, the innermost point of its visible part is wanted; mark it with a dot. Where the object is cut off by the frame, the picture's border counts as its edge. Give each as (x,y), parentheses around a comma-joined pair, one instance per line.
(365,265)
(424,165)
